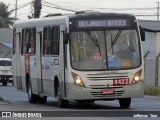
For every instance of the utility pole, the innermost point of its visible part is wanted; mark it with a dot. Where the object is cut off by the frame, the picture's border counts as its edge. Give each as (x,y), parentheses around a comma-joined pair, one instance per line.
(37,8)
(16,10)
(158,12)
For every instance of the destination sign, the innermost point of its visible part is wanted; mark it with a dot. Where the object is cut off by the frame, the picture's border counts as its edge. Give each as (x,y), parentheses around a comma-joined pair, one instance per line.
(102,23)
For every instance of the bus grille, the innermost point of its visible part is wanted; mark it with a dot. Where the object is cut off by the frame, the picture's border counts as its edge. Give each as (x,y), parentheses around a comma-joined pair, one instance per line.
(99,83)
(105,87)
(96,77)
(100,95)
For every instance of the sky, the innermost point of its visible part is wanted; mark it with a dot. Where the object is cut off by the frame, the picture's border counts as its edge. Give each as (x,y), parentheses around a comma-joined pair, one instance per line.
(143,9)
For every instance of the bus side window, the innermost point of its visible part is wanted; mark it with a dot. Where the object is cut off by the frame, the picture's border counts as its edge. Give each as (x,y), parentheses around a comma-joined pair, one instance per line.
(28,43)
(55,40)
(24,43)
(46,40)
(32,41)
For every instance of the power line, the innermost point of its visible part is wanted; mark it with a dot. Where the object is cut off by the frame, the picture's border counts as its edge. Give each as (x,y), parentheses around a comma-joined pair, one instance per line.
(60,7)
(70,4)
(57,7)
(100,8)
(153,8)
(76,7)
(20,7)
(23,14)
(46,12)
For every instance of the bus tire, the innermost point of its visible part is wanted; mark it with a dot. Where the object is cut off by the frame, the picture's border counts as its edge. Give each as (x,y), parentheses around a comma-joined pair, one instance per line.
(90,101)
(32,98)
(42,100)
(125,102)
(62,103)
(4,82)
(81,102)
(12,83)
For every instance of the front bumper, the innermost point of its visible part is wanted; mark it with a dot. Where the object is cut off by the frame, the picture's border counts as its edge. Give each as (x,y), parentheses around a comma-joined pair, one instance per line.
(82,93)
(5,76)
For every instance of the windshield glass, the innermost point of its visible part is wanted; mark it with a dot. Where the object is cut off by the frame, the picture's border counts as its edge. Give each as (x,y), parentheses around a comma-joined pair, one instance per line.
(101,50)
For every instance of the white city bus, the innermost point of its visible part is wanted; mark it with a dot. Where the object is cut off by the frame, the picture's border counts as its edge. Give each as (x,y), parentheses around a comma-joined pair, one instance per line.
(83,57)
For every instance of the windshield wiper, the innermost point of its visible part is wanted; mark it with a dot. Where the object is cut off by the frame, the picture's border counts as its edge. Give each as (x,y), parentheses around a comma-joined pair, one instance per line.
(94,40)
(116,38)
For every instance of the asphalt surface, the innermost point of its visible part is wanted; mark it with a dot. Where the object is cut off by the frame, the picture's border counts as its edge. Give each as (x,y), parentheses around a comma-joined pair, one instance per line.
(18,101)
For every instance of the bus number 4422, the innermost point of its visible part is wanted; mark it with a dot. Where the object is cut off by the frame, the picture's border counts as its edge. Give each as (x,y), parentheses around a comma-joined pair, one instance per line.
(121,81)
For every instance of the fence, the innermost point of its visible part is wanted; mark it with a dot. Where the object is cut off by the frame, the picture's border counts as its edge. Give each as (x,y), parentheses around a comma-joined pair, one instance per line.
(151,69)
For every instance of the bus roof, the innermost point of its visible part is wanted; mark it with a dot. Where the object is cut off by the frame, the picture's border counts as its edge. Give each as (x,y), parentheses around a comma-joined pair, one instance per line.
(99,14)
(40,21)
(56,20)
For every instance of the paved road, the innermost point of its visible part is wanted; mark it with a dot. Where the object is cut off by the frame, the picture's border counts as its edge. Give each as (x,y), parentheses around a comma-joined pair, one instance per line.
(18,101)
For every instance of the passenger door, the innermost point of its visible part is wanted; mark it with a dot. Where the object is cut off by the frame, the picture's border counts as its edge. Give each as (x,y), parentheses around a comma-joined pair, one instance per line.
(63,62)
(16,60)
(46,61)
(38,60)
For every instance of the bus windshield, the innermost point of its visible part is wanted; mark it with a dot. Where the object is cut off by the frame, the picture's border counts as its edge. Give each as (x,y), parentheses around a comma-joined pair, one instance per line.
(103,50)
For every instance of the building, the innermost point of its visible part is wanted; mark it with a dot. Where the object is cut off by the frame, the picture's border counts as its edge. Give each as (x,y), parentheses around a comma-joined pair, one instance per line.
(5,51)
(6,38)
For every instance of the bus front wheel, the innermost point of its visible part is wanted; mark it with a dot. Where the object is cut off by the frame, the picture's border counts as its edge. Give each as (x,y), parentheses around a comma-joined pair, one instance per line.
(61,102)
(42,100)
(4,83)
(90,101)
(32,98)
(125,102)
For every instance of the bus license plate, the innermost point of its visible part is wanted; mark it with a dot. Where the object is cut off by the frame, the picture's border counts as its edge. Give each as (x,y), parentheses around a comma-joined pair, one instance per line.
(121,81)
(108,92)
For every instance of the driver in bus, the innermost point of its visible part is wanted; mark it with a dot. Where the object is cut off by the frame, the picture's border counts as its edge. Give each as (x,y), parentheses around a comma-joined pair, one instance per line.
(126,55)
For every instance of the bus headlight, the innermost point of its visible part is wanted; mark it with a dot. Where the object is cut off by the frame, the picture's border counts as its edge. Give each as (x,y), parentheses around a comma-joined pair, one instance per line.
(77,80)
(137,77)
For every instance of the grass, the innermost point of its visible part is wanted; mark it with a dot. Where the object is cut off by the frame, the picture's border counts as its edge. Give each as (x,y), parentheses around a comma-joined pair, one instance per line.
(2,100)
(152,90)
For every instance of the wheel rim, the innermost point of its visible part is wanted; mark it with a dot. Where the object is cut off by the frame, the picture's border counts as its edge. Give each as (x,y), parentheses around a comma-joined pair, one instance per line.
(58,93)
(29,92)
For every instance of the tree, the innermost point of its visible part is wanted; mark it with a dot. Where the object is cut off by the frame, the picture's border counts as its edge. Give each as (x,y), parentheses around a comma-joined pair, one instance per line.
(5,19)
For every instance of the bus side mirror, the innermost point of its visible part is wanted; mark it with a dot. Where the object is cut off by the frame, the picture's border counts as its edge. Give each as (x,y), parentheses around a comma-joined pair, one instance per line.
(142,33)
(65,37)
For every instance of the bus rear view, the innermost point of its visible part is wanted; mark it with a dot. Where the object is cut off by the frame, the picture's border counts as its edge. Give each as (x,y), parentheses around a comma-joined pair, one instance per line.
(106,60)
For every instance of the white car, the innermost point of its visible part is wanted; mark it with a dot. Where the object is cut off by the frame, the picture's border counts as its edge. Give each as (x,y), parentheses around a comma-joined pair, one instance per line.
(6,71)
